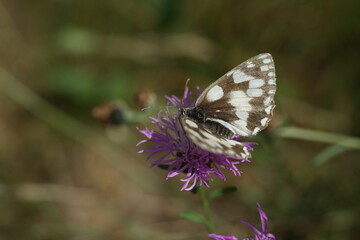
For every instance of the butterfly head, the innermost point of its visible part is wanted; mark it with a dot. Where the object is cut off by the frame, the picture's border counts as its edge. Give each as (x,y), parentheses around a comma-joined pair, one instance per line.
(194,114)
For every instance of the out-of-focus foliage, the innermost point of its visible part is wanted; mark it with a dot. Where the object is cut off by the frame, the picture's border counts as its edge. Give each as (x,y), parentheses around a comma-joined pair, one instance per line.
(63,176)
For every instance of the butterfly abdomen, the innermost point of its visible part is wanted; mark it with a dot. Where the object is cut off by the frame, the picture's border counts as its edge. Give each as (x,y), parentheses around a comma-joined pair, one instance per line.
(218,129)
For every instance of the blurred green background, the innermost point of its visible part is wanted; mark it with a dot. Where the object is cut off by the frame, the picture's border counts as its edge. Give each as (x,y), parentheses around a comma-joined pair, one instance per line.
(65,176)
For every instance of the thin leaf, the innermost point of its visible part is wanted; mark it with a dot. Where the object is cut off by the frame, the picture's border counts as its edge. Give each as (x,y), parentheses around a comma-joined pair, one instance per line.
(329,153)
(192,216)
(222,192)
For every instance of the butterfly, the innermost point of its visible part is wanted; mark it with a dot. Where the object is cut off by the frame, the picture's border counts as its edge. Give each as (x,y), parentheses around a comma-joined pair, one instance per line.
(240,103)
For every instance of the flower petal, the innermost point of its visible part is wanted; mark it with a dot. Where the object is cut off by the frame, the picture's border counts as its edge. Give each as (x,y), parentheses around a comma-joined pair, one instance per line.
(219,237)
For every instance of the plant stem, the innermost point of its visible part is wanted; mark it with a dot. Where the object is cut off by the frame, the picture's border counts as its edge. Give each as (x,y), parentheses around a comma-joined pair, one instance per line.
(207,213)
(319,136)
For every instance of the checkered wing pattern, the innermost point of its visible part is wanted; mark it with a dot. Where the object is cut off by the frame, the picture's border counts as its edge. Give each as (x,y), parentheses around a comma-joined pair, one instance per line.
(211,142)
(243,99)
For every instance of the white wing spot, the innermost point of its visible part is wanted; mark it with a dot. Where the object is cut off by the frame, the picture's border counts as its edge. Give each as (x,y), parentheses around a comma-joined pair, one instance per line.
(230,72)
(246,151)
(239,99)
(231,152)
(242,115)
(232,142)
(206,141)
(264,56)
(271,74)
(264,68)
(215,93)
(272,91)
(268,109)
(194,135)
(212,139)
(272,82)
(243,155)
(250,65)
(264,121)
(256,83)
(271,66)
(242,124)
(267,101)
(256,130)
(191,123)
(240,76)
(267,60)
(254,92)
(213,144)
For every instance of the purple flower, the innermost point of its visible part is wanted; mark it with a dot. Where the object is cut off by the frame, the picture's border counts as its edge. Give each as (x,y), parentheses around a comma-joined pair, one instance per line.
(259,235)
(174,149)
(219,237)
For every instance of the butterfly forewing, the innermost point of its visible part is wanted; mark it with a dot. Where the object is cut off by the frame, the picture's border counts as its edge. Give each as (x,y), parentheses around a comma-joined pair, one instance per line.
(243,99)
(213,143)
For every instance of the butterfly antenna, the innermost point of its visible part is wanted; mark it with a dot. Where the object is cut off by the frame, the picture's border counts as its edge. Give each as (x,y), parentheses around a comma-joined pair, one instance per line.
(157,107)
(185,89)
(187,82)
(152,107)
(146,108)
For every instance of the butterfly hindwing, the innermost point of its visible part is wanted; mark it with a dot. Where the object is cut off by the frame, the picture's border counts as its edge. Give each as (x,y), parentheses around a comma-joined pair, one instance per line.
(212,142)
(243,99)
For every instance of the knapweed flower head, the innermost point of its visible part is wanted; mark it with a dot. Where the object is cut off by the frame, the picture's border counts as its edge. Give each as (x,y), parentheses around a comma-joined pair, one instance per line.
(171,147)
(259,234)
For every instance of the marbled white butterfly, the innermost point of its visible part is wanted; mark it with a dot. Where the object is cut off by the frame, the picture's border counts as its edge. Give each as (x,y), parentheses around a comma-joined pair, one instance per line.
(240,103)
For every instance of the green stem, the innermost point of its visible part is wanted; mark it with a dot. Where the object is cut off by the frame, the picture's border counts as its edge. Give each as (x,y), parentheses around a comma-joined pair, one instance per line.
(207,213)
(319,136)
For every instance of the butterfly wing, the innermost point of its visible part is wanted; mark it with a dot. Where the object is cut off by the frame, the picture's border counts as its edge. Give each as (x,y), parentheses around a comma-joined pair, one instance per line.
(243,99)
(211,142)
